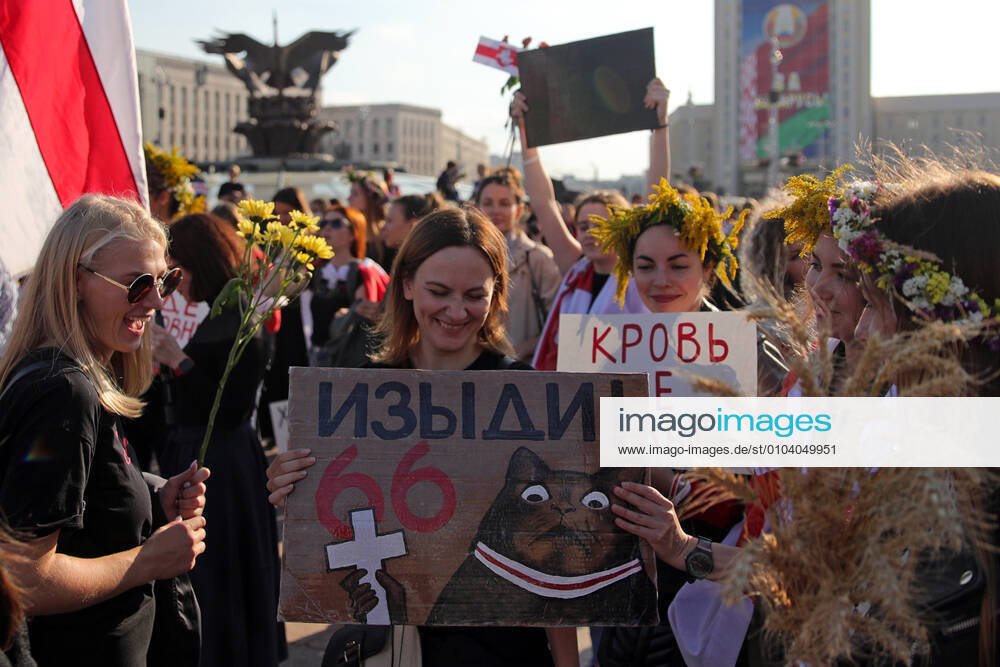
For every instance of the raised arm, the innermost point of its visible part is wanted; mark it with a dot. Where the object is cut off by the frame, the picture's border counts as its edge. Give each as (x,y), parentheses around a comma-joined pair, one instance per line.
(565,248)
(657,96)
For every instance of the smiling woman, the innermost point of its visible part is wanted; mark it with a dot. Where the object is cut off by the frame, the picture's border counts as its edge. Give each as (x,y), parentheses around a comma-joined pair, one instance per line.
(447,296)
(78,359)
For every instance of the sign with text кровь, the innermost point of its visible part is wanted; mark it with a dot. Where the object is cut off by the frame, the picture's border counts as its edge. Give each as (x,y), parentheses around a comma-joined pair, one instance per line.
(671,348)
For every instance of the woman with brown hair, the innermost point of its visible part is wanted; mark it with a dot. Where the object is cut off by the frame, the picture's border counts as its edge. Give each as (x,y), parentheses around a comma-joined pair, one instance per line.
(445,310)
(237,584)
(370,196)
(534,276)
(348,286)
(404,213)
(287,200)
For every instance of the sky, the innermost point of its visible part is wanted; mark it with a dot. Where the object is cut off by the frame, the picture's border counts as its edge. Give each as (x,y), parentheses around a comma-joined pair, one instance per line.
(420,52)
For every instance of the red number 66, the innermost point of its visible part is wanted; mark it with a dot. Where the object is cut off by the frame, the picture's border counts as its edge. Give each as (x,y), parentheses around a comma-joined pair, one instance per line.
(334,482)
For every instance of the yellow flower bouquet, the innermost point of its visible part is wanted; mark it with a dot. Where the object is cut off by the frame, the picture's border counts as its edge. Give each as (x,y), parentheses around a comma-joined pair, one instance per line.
(277,263)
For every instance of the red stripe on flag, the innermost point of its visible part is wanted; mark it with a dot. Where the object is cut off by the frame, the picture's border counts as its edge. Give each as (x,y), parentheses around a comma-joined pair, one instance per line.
(65,100)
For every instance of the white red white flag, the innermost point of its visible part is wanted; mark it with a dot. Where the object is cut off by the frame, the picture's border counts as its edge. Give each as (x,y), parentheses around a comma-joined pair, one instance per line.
(69,113)
(500,55)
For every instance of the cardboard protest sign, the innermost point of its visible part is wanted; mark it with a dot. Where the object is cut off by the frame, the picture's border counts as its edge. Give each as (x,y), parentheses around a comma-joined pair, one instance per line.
(182,317)
(590,88)
(670,348)
(459,498)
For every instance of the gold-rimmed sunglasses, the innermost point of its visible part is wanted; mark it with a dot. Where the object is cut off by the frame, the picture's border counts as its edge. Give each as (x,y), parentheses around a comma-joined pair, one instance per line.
(139,288)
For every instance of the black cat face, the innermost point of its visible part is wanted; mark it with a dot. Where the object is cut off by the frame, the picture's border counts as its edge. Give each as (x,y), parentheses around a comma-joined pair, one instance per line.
(558,521)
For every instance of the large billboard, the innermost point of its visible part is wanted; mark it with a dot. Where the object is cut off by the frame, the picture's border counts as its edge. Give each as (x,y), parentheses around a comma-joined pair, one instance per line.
(802,82)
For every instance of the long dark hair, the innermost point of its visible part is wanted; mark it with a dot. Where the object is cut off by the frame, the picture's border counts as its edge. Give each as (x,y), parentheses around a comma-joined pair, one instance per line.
(956,216)
(207,246)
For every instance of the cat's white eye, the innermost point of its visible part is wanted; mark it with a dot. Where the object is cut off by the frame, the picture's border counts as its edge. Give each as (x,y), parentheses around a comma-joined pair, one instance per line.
(536,493)
(595,500)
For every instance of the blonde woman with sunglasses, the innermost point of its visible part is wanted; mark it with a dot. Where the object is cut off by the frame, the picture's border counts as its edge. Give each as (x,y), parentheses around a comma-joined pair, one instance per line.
(78,358)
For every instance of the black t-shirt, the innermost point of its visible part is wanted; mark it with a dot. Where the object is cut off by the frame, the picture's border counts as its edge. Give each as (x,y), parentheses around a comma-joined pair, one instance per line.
(488,646)
(600,279)
(64,466)
(486,361)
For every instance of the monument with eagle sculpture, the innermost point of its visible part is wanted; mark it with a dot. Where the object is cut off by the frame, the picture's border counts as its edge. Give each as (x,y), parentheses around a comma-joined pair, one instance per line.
(282,81)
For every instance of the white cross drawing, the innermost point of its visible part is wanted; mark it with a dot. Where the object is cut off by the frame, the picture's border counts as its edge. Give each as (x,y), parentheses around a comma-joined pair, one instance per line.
(504,57)
(367,551)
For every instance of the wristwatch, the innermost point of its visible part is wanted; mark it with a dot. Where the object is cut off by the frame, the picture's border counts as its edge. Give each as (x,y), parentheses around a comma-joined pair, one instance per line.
(184,367)
(699,563)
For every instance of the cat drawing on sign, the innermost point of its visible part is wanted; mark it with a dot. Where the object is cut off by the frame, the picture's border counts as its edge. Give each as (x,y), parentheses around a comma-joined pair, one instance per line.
(548,551)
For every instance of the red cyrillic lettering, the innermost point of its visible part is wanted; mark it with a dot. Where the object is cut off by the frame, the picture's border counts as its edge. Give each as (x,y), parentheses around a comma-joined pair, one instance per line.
(657,386)
(169,305)
(597,346)
(659,326)
(686,332)
(712,342)
(625,341)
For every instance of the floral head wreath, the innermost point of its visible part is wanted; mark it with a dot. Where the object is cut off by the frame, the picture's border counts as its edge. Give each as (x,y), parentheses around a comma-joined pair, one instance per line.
(366,179)
(694,221)
(177,173)
(915,277)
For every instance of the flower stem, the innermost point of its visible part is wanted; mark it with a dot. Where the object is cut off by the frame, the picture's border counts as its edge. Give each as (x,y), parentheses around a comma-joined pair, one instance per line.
(234,355)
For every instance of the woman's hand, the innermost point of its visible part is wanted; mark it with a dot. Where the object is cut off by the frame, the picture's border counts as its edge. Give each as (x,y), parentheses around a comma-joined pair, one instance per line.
(173,549)
(657,96)
(184,495)
(166,350)
(655,521)
(286,469)
(518,107)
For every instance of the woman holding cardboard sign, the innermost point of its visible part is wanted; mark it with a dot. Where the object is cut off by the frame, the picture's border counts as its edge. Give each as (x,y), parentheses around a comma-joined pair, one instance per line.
(586,286)
(445,309)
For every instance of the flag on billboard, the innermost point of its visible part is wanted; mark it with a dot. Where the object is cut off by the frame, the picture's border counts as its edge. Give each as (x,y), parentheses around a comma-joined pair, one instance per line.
(500,55)
(69,109)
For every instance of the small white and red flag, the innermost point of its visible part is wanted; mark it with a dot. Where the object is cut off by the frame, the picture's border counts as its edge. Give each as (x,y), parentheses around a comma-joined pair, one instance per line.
(500,55)
(69,113)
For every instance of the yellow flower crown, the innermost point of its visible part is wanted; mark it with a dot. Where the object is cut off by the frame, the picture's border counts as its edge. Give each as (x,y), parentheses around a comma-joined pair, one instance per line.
(694,221)
(177,173)
(808,216)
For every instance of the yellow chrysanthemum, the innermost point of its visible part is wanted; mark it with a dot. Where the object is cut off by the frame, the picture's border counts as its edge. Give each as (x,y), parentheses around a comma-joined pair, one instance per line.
(244,228)
(300,219)
(305,259)
(286,236)
(254,208)
(315,245)
(808,216)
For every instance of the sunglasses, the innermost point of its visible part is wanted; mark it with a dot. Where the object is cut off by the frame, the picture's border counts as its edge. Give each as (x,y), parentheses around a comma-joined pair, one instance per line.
(137,290)
(333,223)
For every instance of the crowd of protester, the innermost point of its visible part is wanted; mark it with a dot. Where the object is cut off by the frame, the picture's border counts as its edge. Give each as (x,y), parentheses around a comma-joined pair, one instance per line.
(92,384)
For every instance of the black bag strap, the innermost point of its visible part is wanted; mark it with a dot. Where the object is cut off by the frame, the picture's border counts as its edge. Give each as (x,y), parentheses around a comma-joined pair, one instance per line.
(27,370)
